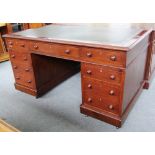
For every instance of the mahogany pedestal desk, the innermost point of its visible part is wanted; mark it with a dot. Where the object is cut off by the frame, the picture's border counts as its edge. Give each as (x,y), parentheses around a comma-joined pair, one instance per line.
(112,61)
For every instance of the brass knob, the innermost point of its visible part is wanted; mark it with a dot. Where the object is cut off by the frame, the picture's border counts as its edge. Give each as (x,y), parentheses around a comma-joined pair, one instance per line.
(112,77)
(22,45)
(89,100)
(29,81)
(111,107)
(89,72)
(89,86)
(27,69)
(17,77)
(10,43)
(113,58)
(111,92)
(15,67)
(13,56)
(67,51)
(36,47)
(89,54)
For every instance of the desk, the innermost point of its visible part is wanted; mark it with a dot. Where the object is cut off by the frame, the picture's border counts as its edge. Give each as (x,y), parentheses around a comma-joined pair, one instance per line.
(112,59)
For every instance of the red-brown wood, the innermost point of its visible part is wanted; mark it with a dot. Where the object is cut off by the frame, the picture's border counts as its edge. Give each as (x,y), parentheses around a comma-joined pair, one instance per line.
(101,56)
(111,76)
(150,66)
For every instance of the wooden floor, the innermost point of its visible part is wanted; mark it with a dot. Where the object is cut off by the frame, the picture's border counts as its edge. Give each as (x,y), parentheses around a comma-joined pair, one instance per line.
(4,127)
(4,57)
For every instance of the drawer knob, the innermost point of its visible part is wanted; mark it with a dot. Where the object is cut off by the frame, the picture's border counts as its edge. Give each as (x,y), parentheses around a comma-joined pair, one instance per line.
(25,58)
(89,54)
(111,92)
(10,43)
(89,86)
(29,81)
(89,100)
(113,58)
(27,69)
(67,51)
(111,107)
(13,56)
(112,77)
(22,45)
(15,67)
(36,47)
(17,77)
(89,72)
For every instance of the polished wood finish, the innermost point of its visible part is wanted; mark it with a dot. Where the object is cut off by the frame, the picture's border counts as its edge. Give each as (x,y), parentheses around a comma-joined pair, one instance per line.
(32,25)
(113,64)
(3,53)
(150,71)
(9,28)
(5,127)
(101,56)
(2,46)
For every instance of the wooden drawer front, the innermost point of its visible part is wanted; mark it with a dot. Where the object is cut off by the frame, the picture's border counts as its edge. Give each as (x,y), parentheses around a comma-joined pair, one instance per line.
(108,92)
(17,45)
(100,94)
(21,57)
(91,85)
(103,57)
(96,100)
(55,49)
(22,68)
(106,74)
(23,73)
(24,78)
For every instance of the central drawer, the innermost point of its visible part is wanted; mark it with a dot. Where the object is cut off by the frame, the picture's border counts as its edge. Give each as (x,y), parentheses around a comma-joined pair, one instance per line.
(65,51)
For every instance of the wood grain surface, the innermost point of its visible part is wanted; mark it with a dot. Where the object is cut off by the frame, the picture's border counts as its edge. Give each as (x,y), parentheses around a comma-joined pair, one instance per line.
(113,65)
(5,127)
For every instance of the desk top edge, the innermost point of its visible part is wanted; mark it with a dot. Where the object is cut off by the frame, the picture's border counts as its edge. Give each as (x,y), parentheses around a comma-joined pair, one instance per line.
(141,33)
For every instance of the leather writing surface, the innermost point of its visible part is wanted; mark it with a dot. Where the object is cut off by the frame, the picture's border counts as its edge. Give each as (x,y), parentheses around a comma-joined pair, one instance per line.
(100,33)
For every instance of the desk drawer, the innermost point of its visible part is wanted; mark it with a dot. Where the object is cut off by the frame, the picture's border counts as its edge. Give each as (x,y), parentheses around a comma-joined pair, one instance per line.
(106,57)
(17,45)
(99,102)
(109,92)
(108,74)
(22,68)
(24,78)
(91,85)
(21,57)
(100,94)
(23,73)
(55,49)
